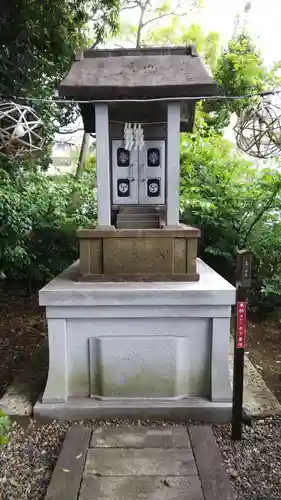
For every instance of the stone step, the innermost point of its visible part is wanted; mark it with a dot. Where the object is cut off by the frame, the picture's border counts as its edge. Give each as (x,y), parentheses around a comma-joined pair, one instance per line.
(136,216)
(108,462)
(140,437)
(137,462)
(137,224)
(137,209)
(144,488)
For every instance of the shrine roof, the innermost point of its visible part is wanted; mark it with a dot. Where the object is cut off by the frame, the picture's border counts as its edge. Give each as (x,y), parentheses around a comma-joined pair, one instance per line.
(138,73)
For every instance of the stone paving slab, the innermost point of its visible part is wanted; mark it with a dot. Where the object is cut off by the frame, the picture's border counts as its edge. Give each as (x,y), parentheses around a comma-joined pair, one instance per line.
(140,437)
(194,471)
(145,462)
(141,488)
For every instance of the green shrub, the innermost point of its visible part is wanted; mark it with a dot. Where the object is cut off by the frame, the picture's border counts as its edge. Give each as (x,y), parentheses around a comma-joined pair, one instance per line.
(5,425)
(236,205)
(39,219)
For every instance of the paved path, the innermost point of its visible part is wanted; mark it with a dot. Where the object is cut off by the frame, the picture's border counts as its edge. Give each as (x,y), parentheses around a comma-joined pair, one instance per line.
(140,463)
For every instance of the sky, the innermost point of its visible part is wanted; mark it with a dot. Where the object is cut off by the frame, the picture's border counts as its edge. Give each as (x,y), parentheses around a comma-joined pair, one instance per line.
(264,22)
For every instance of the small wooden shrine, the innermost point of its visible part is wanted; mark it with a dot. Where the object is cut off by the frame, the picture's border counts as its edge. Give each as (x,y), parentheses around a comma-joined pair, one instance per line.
(138,166)
(137,346)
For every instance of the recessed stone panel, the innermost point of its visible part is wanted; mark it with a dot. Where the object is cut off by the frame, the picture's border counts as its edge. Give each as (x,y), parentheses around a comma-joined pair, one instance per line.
(138,366)
(126,367)
(138,255)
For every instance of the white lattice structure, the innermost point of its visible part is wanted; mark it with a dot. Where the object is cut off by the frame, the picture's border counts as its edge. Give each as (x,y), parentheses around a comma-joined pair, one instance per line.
(20,130)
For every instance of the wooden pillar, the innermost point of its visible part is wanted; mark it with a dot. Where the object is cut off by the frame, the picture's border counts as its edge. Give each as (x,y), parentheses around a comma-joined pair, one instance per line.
(173,163)
(103,165)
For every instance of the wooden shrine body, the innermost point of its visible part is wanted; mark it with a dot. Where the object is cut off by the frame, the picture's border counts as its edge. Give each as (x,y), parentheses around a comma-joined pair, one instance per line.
(140,180)
(138,236)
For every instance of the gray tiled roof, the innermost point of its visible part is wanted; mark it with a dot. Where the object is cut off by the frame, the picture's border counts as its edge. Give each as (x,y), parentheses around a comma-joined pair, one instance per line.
(138,73)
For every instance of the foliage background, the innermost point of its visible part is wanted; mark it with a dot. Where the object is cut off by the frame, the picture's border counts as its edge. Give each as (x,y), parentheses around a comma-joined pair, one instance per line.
(235,203)
(38,39)
(40,216)
(230,200)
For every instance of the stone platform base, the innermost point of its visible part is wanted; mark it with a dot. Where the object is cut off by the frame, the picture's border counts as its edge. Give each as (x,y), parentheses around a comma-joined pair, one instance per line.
(138,349)
(196,409)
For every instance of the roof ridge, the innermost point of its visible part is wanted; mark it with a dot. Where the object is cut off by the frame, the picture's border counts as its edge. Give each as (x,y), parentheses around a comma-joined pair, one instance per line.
(186,50)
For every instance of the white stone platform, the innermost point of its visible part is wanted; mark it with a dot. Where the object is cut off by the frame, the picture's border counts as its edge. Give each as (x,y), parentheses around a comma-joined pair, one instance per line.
(138,350)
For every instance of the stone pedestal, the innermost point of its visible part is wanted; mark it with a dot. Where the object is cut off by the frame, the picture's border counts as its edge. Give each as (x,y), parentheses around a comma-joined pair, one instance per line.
(136,350)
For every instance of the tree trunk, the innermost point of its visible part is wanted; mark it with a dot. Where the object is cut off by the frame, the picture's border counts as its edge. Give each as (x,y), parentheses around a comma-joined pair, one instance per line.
(84,152)
(140,25)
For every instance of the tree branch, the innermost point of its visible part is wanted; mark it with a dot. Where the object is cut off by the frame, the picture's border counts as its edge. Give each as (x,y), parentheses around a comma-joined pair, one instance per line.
(247,214)
(261,212)
(61,143)
(140,26)
(133,4)
(173,13)
(130,7)
(69,132)
(83,155)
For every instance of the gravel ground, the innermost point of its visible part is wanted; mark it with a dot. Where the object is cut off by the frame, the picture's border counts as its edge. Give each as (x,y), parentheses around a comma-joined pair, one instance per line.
(27,462)
(254,464)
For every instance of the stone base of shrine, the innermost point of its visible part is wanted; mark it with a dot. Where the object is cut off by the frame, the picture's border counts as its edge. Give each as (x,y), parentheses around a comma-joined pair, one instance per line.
(138,350)
(112,255)
(195,409)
